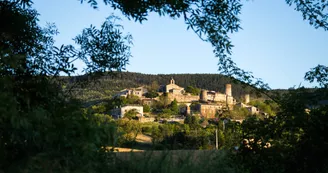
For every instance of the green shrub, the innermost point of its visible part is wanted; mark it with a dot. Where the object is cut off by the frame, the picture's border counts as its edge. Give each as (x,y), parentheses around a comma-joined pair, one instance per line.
(146,130)
(146,108)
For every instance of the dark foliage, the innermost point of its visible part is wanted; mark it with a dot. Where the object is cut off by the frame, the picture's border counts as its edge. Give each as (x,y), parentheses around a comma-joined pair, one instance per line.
(43,128)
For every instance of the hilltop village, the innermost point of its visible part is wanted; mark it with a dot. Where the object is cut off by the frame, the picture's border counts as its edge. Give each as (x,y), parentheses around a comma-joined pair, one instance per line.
(206,104)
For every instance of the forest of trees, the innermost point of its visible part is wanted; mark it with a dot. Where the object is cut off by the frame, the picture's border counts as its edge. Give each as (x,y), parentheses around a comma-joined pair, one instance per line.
(124,80)
(110,84)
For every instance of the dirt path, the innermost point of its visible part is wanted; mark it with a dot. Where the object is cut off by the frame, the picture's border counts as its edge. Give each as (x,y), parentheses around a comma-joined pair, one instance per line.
(141,138)
(143,143)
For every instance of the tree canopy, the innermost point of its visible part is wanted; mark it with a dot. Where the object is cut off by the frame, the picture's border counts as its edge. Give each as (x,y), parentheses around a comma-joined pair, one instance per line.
(41,126)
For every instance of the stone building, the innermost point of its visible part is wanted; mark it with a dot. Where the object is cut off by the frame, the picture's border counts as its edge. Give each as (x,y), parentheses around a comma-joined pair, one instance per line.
(209,110)
(147,101)
(173,88)
(210,101)
(212,96)
(251,109)
(140,91)
(247,98)
(182,98)
(178,93)
(119,112)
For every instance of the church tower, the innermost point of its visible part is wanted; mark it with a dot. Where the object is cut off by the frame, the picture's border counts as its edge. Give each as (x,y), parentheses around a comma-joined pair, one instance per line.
(172,81)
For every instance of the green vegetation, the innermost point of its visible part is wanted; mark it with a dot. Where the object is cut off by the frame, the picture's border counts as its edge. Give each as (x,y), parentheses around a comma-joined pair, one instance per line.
(164,109)
(151,94)
(192,90)
(131,114)
(121,80)
(152,90)
(127,130)
(146,108)
(192,121)
(236,113)
(174,107)
(42,127)
(121,101)
(267,106)
(109,84)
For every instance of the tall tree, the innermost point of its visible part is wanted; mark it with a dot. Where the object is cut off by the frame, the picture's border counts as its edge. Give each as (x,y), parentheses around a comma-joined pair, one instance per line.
(42,128)
(174,107)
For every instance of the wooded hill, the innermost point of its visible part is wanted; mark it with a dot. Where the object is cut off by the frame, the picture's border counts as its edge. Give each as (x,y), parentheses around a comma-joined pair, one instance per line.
(112,83)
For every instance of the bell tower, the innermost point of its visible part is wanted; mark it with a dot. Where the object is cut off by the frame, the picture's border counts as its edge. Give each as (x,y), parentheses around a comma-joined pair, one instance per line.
(172,81)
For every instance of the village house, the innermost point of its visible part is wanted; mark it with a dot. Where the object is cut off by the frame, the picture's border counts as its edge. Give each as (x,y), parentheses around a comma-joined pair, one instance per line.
(209,110)
(217,97)
(119,112)
(209,102)
(140,91)
(173,88)
(251,109)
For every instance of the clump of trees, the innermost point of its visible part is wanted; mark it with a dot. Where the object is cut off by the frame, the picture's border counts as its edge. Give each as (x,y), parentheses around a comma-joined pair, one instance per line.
(295,132)
(236,113)
(117,102)
(192,121)
(152,90)
(268,106)
(192,135)
(169,110)
(151,94)
(146,108)
(131,114)
(43,128)
(192,90)
(127,131)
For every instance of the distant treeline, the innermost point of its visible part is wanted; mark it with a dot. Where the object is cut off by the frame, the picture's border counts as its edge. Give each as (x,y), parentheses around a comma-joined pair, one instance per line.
(111,83)
(116,81)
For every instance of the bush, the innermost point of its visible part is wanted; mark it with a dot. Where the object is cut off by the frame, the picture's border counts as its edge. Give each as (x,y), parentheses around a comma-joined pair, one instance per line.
(192,90)
(146,130)
(146,108)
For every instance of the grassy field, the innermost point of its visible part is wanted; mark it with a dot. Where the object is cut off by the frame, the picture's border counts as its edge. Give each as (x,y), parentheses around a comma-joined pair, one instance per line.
(170,161)
(180,161)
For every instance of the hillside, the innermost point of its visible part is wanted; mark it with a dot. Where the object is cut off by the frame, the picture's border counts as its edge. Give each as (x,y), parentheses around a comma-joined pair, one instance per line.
(110,84)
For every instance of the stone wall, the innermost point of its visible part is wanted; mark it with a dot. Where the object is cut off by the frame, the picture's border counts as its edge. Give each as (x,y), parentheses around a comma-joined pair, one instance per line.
(230,100)
(181,98)
(119,112)
(250,108)
(209,110)
(220,97)
(217,97)
(171,87)
(125,109)
(145,120)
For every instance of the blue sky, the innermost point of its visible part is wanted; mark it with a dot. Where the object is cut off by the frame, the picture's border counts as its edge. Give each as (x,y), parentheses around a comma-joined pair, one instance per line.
(275,43)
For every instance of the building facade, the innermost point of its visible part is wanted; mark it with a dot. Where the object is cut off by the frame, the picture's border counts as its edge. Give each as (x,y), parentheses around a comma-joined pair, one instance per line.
(140,91)
(120,112)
